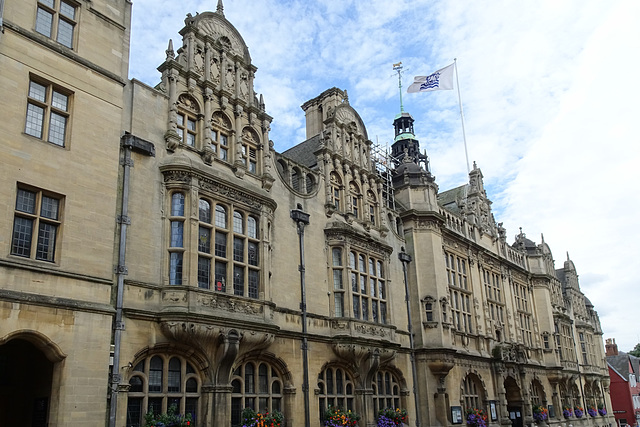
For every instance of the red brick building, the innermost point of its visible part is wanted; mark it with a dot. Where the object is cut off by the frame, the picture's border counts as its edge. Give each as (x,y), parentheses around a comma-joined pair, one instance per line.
(625,390)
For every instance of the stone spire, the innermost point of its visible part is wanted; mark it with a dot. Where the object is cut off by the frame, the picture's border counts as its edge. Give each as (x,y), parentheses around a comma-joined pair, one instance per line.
(220,8)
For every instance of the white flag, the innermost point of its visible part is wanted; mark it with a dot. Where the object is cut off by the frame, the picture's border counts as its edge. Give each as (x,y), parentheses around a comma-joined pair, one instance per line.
(440,80)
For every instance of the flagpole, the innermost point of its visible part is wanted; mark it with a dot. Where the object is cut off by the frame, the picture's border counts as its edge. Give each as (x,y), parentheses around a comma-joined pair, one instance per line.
(464,136)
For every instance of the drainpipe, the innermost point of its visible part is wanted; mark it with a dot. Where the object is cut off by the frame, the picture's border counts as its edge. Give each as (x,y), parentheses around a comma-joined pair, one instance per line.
(302,219)
(128,143)
(405,258)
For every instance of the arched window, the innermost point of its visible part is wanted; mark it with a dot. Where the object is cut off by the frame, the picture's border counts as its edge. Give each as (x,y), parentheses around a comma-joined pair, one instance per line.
(188,111)
(372,204)
(220,131)
(386,391)
(255,385)
(356,197)
(335,389)
(250,143)
(537,393)
(176,240)
(472,396)
(159,382)
(336,190)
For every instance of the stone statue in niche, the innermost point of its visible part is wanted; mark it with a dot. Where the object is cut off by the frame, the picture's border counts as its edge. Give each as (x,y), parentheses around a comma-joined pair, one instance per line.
(230,78)
(198,61)
(244,85)
(214,73)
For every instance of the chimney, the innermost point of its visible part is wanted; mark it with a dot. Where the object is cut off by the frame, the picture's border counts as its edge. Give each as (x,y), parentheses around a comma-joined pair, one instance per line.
(611,348)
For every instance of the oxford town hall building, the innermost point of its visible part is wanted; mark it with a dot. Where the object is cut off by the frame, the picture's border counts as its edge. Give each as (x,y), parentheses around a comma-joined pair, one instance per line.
(156,251)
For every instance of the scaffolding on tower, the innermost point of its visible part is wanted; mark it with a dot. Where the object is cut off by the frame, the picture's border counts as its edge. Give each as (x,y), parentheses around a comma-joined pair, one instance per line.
(384,166)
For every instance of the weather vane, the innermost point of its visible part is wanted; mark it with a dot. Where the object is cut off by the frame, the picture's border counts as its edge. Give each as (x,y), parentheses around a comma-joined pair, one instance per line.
(398,68)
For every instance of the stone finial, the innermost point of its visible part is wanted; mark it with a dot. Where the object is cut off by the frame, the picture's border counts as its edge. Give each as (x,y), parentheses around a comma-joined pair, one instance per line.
(220,8)
(170,53)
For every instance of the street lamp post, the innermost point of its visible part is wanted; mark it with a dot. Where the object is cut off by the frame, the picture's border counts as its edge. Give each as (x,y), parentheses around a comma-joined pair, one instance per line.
(302,219)
(405,258)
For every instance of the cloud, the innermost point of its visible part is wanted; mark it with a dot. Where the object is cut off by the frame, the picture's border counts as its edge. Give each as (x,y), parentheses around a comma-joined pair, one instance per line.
(549,93)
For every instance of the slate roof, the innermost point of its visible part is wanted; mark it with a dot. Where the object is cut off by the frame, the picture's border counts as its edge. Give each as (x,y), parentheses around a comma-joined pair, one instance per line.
(449,199)
(620,363)
(303,152)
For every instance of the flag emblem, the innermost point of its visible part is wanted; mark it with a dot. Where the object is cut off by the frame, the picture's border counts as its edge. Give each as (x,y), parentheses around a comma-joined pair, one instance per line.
(439,80)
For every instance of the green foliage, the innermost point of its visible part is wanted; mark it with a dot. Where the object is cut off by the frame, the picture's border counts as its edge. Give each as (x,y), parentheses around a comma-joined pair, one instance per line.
(636,350)
(170,419)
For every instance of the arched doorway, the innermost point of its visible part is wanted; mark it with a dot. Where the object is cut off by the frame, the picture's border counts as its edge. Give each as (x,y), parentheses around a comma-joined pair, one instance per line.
(514,402)
(25,384)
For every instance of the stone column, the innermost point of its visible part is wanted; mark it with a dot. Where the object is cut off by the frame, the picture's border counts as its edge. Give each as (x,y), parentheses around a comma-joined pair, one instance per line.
(221,405)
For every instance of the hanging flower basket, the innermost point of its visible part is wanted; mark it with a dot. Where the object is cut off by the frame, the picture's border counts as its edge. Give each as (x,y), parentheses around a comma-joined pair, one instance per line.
(540,413)
(567,412)
(251,418)
(579,411)
(601,409)
(392,417)
(592,411)
(337,417)
(476,417)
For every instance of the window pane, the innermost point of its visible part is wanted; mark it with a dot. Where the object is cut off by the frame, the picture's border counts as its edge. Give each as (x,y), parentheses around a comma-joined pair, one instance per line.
(237,222)
(221,244)
(47,3)
(204,211)
(263,377)
(155,375)
(249,378)
(44,19)
(35,119)
(26,201)
(134,411)
(191,124)
(65,33)
(191,139)
(204,272)
(204,239)
(339,304)
(253,253)
(238,280)
(254,283)
(46,242)
(22,231)
(252,229)
(191,386)
(356,306)
(49,208)
(57,129)
(177,204)
(174,375)
(221,216)
(176,234)
(221,276)
(365,309)
(175,268)
(337,279)
(67,10)
(336,255)
(37,91)
(238,249)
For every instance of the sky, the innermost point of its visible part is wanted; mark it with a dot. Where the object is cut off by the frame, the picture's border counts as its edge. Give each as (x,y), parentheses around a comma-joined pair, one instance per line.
(549,91)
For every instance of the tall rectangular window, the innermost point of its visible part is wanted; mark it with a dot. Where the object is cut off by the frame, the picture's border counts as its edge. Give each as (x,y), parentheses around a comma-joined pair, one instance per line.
(36,224)
(47,112)
(56,19)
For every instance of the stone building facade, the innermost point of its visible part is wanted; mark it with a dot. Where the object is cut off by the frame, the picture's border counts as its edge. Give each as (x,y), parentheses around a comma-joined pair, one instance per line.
(158,251)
